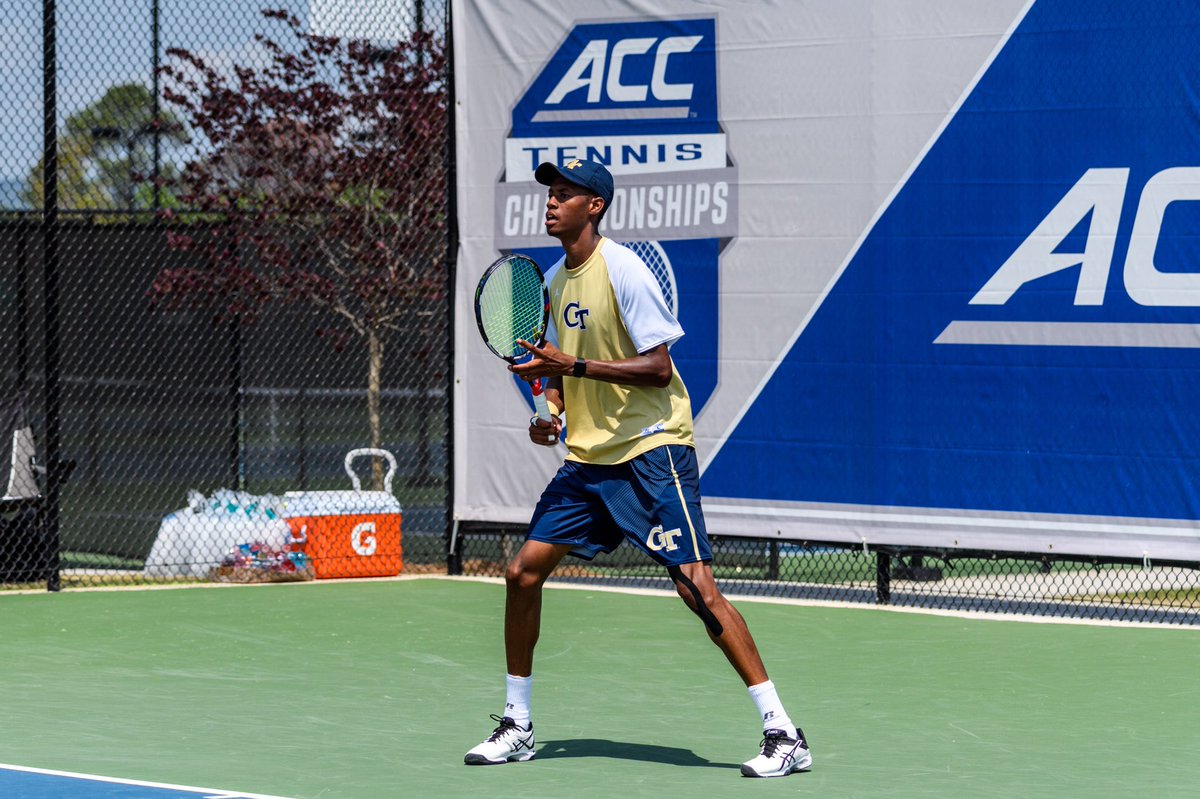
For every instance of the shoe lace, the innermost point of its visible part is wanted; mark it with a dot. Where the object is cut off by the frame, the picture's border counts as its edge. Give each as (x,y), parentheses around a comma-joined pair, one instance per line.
(505,724)
(772,742)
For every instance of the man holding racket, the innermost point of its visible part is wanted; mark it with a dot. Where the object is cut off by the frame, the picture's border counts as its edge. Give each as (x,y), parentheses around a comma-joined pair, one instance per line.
(630,472)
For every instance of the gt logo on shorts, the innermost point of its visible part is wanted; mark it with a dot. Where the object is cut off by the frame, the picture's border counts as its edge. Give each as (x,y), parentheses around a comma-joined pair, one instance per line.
(574,316)
(659,539)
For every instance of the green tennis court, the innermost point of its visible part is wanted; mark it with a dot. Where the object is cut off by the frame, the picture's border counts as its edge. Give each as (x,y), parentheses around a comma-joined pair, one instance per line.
(375,689)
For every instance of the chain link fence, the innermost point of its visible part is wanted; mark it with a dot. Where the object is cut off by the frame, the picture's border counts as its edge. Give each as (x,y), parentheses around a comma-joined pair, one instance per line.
(225,266)
(242,275)
(948,580)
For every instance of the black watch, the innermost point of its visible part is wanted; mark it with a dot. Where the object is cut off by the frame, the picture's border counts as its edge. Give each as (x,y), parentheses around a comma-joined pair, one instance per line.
(580,368)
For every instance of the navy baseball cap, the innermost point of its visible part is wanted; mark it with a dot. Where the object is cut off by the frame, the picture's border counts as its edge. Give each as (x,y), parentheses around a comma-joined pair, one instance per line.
(590,175)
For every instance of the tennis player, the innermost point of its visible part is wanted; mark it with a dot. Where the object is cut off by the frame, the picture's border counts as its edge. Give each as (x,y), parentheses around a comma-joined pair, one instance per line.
(630,472)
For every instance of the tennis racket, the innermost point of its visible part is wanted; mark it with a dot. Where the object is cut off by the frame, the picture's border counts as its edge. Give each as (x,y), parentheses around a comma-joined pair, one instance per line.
(512,303)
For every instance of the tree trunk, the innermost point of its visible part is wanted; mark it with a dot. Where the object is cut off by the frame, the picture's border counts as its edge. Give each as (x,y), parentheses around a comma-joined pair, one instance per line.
(374,396)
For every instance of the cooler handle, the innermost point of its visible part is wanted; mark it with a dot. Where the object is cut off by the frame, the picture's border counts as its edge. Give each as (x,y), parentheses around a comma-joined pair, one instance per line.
(382,453)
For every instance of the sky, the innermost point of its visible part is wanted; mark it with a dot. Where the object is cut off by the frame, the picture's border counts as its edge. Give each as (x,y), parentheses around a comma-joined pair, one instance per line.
(103,43)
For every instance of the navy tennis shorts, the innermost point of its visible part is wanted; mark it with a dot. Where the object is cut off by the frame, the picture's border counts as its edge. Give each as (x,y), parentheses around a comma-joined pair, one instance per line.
(653,500)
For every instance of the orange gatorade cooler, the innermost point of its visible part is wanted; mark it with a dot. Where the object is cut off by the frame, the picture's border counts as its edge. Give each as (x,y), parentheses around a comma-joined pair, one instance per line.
(348,533)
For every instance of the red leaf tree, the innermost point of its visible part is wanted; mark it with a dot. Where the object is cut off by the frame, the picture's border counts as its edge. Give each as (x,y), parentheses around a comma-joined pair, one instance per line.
(321,179)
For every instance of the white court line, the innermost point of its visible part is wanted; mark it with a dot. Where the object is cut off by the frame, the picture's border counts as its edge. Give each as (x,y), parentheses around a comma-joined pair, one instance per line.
(978,615)
(974,615)
(207,793)
(188,583)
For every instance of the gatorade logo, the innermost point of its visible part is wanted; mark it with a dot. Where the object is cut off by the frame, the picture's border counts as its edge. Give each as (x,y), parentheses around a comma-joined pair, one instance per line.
(362,539)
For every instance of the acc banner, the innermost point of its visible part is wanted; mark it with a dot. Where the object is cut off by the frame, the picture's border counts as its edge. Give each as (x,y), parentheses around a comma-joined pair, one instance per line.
(641,97)
(935,259)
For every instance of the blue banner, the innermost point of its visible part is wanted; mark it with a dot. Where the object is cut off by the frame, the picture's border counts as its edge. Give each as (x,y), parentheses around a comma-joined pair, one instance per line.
(1019,330)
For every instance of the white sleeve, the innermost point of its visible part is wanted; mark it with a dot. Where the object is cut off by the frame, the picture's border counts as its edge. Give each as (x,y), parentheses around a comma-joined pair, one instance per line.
(647,318)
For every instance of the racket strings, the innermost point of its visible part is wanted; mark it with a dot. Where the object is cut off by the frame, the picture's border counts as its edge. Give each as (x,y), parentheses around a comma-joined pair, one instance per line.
(512,307)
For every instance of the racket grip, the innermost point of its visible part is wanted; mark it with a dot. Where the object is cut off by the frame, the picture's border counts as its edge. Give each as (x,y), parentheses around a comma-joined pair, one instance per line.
(543,408)
(539,401)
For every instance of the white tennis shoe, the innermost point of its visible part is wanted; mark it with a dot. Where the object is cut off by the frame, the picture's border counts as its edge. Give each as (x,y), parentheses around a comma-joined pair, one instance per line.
(508,742)
(779,755)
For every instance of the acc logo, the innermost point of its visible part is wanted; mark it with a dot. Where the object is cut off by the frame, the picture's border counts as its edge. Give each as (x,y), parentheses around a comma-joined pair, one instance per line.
(588,70)
(640,97)
(574,316)
(1101,193)
(362,539)
(659,539)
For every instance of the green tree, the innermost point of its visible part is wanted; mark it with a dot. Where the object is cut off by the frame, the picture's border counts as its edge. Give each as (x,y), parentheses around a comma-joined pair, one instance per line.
(106,154)
(323,183)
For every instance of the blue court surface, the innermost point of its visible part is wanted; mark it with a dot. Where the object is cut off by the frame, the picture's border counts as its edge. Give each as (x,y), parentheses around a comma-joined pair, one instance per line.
(19,782)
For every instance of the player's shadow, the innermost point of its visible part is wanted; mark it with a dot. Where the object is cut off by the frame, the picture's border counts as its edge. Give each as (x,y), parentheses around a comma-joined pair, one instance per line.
(621,750)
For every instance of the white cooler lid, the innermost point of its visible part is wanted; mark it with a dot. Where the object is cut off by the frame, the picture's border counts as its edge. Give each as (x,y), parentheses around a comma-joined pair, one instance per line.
(338,503)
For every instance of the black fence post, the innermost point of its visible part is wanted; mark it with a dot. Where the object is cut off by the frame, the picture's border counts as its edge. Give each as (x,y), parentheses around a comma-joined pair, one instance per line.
(50,282)
(883,578)
(156,171)
(453,558)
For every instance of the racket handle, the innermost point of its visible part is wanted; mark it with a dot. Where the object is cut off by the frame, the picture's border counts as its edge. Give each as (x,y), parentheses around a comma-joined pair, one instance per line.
(539,401)
(543,408)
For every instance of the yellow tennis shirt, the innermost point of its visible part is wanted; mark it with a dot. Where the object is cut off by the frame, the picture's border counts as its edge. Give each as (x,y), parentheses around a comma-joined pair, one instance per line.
(608,309)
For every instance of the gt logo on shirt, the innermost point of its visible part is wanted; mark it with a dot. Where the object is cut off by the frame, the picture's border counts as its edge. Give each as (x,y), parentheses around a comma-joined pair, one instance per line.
(659,539)
(574,316)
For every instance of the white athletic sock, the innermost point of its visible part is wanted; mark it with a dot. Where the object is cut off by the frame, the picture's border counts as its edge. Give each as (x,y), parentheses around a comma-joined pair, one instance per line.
(770,709)
(516,704)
